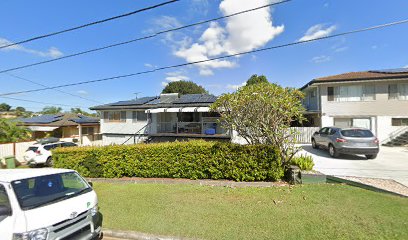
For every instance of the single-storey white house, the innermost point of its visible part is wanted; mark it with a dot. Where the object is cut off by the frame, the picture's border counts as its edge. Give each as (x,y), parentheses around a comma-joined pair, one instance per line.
(167,117)
(377,100)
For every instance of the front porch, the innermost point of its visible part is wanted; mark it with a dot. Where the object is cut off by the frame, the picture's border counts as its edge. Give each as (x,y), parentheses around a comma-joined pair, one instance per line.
(188,124)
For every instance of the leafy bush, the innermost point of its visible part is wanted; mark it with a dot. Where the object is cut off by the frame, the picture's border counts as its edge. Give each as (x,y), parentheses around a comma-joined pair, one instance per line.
(194,160)
(304,162)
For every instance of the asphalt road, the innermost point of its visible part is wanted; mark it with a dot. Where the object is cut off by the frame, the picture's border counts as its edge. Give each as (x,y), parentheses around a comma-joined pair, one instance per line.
(391,163)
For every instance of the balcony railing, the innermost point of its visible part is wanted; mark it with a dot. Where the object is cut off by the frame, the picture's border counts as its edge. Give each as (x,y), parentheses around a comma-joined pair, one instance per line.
(205,128)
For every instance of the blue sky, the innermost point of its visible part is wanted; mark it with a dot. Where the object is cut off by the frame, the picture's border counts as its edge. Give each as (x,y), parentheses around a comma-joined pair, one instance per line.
(289,22)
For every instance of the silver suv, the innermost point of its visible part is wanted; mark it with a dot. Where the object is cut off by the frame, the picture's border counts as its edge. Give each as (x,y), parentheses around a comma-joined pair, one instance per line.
(347,141)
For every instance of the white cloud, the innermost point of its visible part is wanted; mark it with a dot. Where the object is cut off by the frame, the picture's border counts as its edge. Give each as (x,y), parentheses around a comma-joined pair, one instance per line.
(175,39)
(235,87)
(321,59)
(82,92)
(52,52)
(199,7)
(318,31)
(341,49)
(174,77)
(148,65)
(241,33)
(406,66)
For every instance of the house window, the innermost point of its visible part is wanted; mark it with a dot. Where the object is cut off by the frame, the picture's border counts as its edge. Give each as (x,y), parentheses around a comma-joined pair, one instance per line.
(330,94)
(87,130)
(139,116)
(398,91)
(114,116)
(351,93)
(399,122)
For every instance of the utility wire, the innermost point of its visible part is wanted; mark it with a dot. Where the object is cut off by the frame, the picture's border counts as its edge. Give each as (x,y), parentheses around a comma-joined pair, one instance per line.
(42,85)
(213,59)
(45,103)
(141,38)
(89,24)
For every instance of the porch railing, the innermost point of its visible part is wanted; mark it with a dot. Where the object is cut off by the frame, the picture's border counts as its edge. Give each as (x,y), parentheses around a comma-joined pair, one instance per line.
(207,128)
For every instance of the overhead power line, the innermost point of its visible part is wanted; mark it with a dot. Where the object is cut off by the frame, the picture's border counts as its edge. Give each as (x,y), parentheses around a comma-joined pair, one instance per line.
(42,85)
(141,38)
(215,58)
(44,103)
(89,24)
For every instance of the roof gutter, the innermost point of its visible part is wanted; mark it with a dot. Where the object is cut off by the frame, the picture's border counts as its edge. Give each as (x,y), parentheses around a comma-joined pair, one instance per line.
(376,79)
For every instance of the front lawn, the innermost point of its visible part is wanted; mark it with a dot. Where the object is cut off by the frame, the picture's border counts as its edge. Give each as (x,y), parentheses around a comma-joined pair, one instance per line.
(302,212)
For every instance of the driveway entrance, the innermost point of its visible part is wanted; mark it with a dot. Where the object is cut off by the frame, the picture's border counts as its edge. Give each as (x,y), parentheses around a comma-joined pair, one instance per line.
(391,163)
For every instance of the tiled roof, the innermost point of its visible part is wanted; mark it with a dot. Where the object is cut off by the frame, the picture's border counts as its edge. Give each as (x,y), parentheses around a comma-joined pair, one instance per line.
(386,74)
(398,73)
(58,120)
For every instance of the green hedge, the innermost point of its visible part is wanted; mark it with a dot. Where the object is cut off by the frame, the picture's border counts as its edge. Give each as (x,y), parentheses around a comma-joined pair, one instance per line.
(194,160)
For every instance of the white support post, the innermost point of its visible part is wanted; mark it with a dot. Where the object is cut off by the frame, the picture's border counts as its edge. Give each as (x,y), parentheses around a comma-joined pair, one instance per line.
(80,134)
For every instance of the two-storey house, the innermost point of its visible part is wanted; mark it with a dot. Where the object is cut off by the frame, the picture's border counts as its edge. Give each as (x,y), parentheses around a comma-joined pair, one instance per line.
(377,100)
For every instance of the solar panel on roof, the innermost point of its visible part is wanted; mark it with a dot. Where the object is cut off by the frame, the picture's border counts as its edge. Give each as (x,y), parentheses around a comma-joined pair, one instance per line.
(396,70)
(196,98)
(139,101)
(42,119)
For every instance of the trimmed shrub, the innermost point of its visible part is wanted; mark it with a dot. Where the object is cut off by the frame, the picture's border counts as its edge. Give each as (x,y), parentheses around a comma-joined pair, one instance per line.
(193,160)
(304,162)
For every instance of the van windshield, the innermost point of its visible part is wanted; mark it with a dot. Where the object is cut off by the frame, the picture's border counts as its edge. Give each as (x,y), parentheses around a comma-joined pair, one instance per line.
(43,190)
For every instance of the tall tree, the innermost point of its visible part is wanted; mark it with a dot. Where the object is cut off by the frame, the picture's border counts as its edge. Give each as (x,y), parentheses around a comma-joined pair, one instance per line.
(184,87)
(262,113)
(10,132)
(4,107)
(255,79)
(51,110)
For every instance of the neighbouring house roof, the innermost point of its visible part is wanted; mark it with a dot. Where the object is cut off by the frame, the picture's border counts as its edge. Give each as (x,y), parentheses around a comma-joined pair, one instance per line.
(387,74)
(58,120)
(188,100)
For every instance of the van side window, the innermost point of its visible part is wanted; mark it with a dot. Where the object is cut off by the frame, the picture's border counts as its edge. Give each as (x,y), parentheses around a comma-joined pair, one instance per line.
(3,197)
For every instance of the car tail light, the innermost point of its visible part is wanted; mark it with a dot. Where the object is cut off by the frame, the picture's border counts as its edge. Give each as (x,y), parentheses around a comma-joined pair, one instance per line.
(341,140)
(38,152)
(376,141)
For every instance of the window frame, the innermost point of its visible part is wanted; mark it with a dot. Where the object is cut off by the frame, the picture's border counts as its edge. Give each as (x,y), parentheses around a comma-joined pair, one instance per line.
(334,93)
(399,122)
(87,130)
(401,91)
(114,116)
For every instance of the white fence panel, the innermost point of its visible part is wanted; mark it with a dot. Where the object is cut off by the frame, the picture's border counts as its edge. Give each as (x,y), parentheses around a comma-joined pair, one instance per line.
(305,133)
(8,150)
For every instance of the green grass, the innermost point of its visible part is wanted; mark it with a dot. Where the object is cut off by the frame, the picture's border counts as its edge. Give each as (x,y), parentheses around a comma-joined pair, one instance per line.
(302,212)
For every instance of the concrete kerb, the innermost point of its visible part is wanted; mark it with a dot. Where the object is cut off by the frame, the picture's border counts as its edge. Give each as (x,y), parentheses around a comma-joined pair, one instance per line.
(129,235)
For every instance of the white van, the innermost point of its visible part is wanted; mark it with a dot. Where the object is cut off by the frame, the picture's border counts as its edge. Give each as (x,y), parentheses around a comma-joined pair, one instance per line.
(47,204)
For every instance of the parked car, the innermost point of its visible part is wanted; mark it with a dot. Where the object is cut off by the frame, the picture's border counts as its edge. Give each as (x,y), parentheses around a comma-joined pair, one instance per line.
(347,141)
(47,204)
(40,152)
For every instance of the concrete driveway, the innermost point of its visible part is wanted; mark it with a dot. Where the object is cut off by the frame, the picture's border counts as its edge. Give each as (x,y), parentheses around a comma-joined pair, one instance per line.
(391,163)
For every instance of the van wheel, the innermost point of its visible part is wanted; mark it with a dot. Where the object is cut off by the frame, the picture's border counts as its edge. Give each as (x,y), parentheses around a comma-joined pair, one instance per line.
(49,162)
(314,145)
(371,156)
(332,151)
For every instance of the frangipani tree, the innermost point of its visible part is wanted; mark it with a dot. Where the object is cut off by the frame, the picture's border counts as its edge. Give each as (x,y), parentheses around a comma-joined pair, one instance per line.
(262,113)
